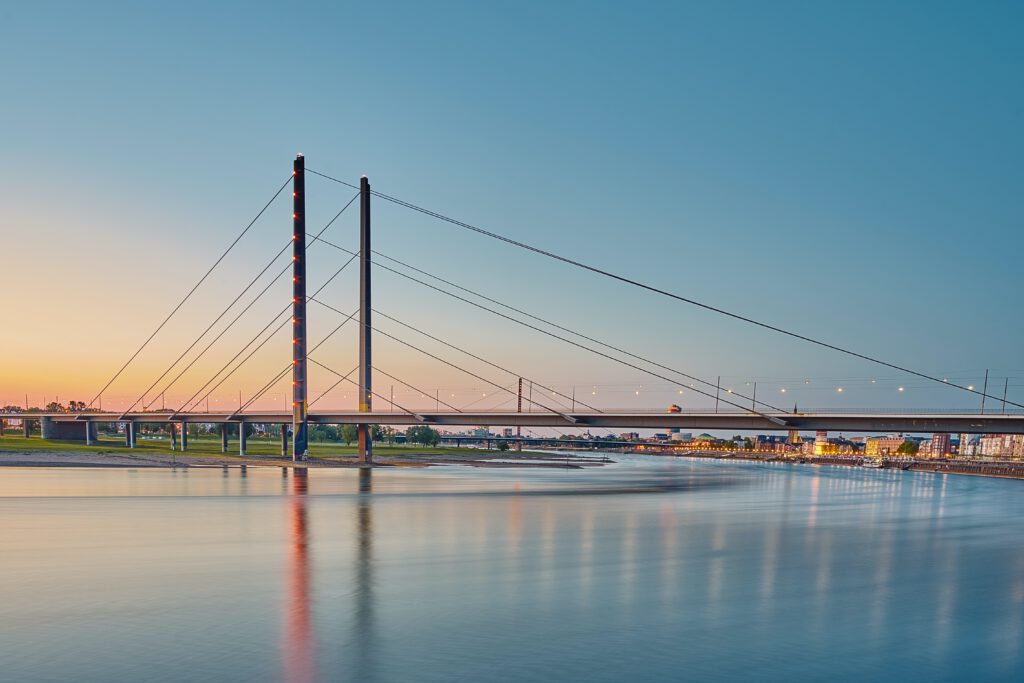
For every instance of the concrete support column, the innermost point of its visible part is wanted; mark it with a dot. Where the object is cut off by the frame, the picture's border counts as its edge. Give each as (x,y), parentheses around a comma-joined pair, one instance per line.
(88,433)
(243,428)
(129,434)
(3,427)
(174,436)
(26,428)
(223,437)
(284,441)
(184,436)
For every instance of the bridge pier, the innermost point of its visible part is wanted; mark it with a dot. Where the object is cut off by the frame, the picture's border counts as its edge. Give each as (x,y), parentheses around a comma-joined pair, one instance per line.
(184,436)
(243,428)
(26,428)
(223,437)
(50,428)
(174,436)
(129,434)
(284,441)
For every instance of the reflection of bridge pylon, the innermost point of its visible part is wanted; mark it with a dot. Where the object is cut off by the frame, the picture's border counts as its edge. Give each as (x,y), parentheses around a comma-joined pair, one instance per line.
(298,644)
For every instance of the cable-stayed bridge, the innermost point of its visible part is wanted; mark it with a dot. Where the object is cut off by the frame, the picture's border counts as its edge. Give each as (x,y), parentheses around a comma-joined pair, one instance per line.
(554,409)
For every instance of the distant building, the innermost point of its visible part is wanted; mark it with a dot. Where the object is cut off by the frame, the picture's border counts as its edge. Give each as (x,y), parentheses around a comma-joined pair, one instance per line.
(991,446)
(883,445)
(941,445)
(820,442)
(1017,450)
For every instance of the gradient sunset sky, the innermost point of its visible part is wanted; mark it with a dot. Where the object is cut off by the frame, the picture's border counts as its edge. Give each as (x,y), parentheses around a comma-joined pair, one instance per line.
(850,171)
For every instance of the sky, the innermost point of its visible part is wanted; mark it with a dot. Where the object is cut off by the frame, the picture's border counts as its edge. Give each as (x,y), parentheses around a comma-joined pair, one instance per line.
(849,171)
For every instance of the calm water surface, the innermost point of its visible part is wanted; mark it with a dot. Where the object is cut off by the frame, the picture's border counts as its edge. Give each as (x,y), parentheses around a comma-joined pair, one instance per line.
(650,569)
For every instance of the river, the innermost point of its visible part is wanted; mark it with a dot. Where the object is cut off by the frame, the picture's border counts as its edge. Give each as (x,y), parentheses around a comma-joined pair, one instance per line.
(650,569)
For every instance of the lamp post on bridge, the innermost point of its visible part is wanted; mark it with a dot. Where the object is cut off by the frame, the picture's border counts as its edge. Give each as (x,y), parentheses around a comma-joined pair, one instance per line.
(300,424)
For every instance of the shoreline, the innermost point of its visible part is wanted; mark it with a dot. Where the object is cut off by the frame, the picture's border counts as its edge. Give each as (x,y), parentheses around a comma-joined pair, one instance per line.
(154,460)
(998,470)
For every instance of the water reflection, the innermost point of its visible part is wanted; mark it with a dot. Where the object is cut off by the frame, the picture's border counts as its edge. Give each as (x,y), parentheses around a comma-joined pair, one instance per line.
(363,628)
(521,575)
(298,646)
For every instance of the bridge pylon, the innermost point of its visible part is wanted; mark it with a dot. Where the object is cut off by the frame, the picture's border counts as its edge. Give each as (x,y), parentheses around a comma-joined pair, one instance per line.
(300,420)
(365,362)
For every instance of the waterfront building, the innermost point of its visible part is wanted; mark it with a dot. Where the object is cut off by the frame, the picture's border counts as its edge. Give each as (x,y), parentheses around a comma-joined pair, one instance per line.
(820,442)
(991,446)
(940,446)
(883,445)
(1017,447)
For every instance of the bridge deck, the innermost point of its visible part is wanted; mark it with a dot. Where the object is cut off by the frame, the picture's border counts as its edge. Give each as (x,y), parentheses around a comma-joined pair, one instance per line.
(844,422)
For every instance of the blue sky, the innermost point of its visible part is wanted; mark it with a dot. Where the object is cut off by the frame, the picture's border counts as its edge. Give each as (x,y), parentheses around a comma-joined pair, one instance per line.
(847,170)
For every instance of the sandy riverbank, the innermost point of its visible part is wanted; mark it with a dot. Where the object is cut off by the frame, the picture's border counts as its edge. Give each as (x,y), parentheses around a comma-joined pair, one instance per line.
(124,458)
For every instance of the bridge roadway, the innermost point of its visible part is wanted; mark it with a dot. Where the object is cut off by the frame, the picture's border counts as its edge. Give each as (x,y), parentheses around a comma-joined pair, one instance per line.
(835,422)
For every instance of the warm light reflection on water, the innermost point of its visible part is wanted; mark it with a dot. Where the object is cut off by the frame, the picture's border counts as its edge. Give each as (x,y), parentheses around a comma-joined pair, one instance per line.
(653,569)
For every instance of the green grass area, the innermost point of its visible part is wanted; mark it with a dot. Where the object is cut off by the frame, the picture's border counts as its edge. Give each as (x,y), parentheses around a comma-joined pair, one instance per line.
(209,445)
